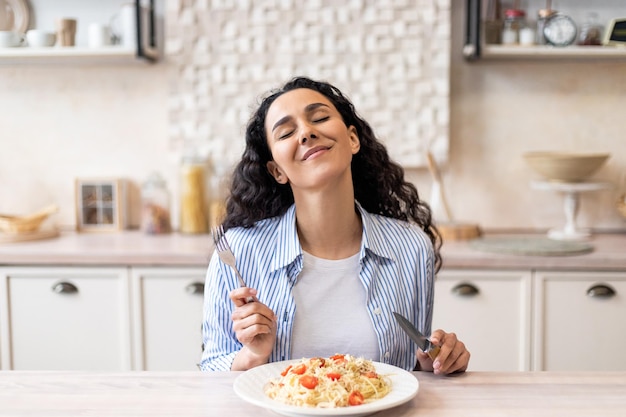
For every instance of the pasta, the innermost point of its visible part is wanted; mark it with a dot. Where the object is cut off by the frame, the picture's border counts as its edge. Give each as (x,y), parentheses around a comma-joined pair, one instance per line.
(338,381)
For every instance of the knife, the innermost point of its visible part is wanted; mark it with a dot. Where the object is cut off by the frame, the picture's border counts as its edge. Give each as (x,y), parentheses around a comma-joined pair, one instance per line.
(422,341)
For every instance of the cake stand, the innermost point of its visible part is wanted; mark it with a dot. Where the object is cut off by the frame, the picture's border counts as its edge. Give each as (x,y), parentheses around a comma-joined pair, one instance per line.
(571,203)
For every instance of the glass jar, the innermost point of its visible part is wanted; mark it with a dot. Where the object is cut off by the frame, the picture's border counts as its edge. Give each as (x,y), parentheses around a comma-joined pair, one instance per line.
(217,194)
(514,21)
(155,205)
(591,31)
(193,196)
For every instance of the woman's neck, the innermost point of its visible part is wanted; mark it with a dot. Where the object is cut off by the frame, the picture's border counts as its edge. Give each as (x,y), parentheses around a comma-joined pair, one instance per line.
(329,227)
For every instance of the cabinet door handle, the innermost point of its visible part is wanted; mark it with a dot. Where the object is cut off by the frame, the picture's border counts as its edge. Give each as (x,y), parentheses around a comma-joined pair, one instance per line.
(465,289)
(601,291)
(64,288)
(195,288)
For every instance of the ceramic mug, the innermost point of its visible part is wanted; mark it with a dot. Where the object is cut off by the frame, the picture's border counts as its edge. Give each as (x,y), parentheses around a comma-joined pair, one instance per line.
(9,39)
(99,35)
(40,38)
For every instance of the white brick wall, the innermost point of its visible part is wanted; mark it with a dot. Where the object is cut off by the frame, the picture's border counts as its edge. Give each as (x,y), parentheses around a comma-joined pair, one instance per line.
(391,57)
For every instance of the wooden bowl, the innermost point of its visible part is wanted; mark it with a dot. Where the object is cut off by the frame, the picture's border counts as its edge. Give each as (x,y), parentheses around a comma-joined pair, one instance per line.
(565,166)
(621,206)
(25,224)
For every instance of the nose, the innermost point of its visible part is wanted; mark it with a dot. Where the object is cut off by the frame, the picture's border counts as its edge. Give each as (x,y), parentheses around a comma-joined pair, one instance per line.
(306,136)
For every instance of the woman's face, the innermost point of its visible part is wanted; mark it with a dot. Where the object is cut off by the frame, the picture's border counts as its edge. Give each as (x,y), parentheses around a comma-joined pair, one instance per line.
(310,144)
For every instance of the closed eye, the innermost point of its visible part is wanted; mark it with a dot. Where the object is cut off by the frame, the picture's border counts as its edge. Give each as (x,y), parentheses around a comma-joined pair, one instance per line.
(286,135)
(321,119)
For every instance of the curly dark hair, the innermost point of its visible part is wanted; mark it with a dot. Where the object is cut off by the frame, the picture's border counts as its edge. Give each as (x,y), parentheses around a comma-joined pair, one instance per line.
(379,184)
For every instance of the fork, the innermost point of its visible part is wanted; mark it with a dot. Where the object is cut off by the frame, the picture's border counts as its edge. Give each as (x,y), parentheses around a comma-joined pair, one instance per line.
(226,254)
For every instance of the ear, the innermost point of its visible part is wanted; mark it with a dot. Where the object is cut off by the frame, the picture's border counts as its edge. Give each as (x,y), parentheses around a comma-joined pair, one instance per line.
(355,143)
(276,172)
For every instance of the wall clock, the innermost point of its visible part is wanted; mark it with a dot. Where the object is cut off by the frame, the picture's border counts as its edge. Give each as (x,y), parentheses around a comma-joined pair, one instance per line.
(560,30)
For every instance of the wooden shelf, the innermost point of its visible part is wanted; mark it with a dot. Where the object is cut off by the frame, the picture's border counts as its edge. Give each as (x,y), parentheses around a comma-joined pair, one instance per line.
(27,55)
(475,48)
(553,52)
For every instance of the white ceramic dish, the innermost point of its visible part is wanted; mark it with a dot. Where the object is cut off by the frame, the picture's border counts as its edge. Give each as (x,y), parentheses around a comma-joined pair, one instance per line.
(16,15)
(250,387)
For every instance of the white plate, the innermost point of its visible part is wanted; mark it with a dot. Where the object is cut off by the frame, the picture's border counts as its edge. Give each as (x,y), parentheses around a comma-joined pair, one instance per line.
(14,15)
(250,387)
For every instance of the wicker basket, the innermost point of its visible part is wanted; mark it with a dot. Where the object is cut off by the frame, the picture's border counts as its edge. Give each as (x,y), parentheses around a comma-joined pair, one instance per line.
(25,224)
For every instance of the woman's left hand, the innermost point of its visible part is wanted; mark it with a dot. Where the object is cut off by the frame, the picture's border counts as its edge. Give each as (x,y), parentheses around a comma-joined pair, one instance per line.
(453,356)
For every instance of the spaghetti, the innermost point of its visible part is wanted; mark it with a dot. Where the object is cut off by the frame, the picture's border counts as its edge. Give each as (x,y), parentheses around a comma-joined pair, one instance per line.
(338,381)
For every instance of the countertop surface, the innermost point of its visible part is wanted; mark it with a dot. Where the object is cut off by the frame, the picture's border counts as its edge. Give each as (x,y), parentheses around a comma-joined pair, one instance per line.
(189,394)
(137,248)
(117,248)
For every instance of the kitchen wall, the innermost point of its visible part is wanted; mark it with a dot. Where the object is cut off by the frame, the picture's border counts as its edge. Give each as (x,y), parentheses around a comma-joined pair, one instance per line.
(58,122)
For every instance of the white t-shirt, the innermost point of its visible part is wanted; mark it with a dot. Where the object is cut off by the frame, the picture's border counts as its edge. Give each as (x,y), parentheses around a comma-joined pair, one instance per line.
(331,315)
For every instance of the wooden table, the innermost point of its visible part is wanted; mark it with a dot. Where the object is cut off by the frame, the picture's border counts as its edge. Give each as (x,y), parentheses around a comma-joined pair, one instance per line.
(188,394)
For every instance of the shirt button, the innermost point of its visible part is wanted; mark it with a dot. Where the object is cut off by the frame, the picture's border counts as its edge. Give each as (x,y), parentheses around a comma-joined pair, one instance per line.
(378,311)
(387,355)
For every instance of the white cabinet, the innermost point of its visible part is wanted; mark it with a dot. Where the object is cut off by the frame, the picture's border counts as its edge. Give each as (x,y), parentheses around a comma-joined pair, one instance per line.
(167,318)
(489,311)
(101,318)
(579,321)
(61,318)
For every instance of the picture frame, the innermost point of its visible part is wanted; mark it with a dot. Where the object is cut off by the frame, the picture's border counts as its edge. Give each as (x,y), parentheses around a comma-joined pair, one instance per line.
(100,204)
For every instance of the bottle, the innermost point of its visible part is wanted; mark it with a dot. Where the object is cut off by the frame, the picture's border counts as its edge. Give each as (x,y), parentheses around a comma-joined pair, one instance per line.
(514,21)
(155,205)
(543,15)
(193,195)
(493,22)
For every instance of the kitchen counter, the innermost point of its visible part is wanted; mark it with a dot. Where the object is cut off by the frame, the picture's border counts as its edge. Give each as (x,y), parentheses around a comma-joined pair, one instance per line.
(136,248)
(609,254)
(122,248)
(189,394)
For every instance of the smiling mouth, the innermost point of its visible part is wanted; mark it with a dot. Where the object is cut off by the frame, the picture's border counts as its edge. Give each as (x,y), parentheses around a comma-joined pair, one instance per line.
(313,151)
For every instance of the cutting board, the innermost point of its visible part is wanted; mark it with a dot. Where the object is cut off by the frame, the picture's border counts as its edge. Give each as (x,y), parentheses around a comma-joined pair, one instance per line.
(27,236)
(531,246)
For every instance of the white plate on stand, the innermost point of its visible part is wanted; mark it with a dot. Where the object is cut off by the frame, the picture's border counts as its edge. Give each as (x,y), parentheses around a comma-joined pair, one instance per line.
(571,204)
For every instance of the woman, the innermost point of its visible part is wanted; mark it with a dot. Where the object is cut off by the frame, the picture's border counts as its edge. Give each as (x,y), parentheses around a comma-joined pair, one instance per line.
(330,239)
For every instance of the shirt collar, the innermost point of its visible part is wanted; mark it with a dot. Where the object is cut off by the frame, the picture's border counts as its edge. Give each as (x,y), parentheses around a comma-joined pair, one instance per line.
(374,239)
(288,248)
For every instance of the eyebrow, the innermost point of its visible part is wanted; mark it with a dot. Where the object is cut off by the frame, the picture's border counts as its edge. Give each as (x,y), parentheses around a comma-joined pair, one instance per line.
(309,108)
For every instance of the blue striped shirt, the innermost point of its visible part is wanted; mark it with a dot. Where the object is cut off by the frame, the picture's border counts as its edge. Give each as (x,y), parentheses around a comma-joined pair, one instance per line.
(397,271)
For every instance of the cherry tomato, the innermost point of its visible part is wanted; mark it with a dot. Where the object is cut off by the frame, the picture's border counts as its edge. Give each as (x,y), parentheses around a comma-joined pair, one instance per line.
(370,374)
(283,373)
(339,359)
(333,375)
(355,398)
(308,381)
(299,370)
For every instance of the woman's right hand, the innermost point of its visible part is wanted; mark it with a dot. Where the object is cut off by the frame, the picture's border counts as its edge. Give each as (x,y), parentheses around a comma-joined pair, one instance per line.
(254,324)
